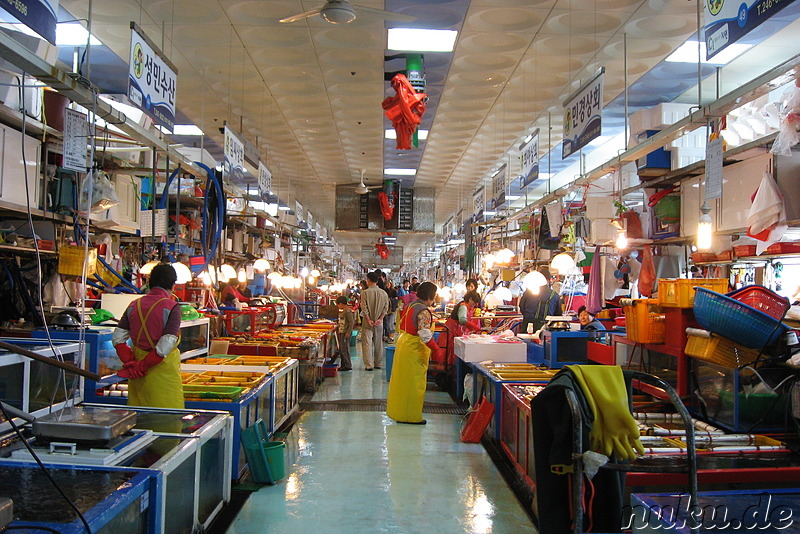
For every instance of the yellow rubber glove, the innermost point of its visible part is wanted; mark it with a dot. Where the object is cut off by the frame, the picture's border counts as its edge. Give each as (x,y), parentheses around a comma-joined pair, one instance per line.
(614,430)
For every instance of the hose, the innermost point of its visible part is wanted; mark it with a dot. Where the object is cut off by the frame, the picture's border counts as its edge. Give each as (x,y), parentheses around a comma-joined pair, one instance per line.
(118,275)
(217,223)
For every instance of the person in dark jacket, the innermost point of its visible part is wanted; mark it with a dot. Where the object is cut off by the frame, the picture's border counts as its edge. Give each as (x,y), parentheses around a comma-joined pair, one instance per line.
(535,306)
(588,321)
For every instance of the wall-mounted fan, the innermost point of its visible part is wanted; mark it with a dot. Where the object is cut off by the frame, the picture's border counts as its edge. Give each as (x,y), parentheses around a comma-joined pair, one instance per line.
(342,12)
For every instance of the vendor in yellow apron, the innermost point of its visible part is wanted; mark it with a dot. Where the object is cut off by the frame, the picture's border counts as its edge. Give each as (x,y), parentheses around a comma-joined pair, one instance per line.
(412,352)
(153,365)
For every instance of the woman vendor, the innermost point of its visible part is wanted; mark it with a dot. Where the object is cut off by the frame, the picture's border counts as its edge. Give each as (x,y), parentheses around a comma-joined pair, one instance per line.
(460,323)
(152,324)
(413,350)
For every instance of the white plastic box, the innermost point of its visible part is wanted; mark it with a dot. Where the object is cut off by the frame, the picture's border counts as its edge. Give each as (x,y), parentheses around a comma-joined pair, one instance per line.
(474,351)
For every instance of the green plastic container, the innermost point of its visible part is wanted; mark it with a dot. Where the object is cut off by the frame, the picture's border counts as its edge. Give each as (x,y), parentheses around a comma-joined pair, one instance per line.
(265,458)
(212,392)
(275,458)
(353,338)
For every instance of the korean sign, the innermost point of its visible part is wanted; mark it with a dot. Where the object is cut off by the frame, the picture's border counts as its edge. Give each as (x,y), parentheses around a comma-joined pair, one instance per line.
(727,21)
(152,80)
(76,134)
(38,15)
(499,184)
(264,181)
(582,121)
(234,156)
(529,160)
(478,203)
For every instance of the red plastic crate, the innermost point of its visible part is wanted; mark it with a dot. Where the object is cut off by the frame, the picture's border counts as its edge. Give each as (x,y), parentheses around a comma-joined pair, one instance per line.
(762,299)
(744,250)
(701,257)
(783,248)
(725,256)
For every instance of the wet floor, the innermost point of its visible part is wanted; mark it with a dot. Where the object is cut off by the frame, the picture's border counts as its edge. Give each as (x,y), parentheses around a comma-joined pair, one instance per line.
(359,472)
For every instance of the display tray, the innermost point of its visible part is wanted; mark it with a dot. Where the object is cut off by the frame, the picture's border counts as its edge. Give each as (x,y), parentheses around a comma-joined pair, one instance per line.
(36,500)
(79,423)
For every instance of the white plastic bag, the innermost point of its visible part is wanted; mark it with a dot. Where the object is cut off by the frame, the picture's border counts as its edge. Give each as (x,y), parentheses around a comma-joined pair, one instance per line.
(98,190)
(789,115)
(767,213)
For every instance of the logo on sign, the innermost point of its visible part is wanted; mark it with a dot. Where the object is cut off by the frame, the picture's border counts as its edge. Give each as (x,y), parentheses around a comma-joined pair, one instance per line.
(715,6)
(138,60)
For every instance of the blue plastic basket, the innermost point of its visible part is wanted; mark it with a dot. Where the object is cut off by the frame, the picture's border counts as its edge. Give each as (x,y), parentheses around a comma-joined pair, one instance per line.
(734,320)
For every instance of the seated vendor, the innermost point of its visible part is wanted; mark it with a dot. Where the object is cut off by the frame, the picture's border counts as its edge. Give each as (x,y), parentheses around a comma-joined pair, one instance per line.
(588,321)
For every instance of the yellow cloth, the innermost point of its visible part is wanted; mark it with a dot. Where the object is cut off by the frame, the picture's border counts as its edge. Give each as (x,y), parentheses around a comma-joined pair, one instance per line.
(161,387)
(409,379)
(614,430)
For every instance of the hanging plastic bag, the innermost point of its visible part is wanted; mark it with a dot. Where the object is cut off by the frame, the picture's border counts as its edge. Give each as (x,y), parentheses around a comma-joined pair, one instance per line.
(647,274)
(98,190)
(767,216)
(789,115)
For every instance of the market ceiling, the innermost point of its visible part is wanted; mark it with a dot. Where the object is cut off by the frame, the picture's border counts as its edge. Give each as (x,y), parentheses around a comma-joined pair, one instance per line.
(309,93)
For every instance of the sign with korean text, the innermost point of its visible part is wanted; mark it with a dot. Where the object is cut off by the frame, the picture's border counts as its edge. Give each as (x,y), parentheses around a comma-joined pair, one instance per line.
(264,181)
(582,115)
(459,221)
(233,167)
(76,135)
(39,15)
(152,80)
(499,186)
(727,21)
(529,160)
(714,169)
(478,203)
(298,211)
(310,220)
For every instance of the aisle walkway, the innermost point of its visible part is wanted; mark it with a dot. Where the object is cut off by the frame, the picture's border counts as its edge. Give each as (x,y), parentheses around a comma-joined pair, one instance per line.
(357,472)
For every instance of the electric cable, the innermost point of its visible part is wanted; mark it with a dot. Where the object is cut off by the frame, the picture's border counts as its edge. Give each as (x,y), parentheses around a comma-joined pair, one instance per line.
(44,469)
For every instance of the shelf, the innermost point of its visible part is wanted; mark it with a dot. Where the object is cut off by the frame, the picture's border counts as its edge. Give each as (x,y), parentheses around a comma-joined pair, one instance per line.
(25,250)
(33,127)
(35,212)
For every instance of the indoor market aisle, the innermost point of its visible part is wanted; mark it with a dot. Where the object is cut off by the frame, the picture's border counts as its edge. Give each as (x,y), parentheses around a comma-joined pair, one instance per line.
(359,472)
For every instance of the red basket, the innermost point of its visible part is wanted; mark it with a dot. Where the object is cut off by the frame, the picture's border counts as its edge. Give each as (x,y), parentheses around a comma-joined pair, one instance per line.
(762,299)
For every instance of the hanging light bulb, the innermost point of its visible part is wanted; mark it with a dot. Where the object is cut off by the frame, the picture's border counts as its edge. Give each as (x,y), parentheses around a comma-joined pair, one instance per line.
(147,268)
(297,283)
(489,260)
(533,281)
(444,293)
(183,272)
(504,255)
(261,265)
(311,280)
(242,276)
(273,276)
(622,240)
(304,272)
(704,228)
(562,263)
(314,273)
(228,271)
(503,293)
(206,278)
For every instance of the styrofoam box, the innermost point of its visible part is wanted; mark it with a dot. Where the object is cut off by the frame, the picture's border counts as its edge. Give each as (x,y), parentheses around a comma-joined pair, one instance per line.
(473,351)
(600,207)
(683,156)
(667,114)
(639,123)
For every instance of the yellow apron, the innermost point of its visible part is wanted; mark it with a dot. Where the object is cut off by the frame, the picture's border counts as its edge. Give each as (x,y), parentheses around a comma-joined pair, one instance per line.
(409,379)
(161,387)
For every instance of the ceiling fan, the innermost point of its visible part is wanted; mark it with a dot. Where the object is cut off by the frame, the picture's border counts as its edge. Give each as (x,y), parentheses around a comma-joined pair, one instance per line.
(342,12)
(363,189)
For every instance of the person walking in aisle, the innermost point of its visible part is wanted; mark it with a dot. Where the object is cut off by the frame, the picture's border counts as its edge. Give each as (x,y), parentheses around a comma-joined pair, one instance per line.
(388,321)
(414,284)
(153,364)
(347,321)
(415,346)
(535,306)
(374,307)
(403,290)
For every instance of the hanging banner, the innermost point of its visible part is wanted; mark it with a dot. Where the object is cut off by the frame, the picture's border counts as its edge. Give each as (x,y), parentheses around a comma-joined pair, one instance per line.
(152,79)
(310,220)
(499,185)
(233,166)
(298,211)
(582,120)
(39,15)
(727,21)
(529,160)
(76,135)
(478,203)
(714,169)
(459,222)
(264,181)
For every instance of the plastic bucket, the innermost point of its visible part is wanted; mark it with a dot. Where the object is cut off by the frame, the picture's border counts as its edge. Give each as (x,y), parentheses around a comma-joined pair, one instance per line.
(353,338)
(387,361)
(277,466)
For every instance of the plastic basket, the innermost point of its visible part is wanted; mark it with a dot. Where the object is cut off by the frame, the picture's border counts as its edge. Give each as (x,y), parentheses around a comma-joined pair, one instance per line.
(643,321)
(762,299)
(70,260)
(265,458)
(211,392)
(717,349)
(735,320)
(679,292)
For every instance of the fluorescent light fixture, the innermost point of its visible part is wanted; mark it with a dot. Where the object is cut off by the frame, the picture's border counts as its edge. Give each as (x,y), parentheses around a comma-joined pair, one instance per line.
(164,129)
(73,34)
(134,114)
(512,198)
(187,129)
(399,172)
(687,53)
(495,173)
(490,213)
(417,40)
(284,208)
(390,133)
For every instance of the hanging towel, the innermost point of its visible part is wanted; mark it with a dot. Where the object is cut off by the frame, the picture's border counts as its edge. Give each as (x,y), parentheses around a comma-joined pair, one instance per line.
(610,282)
(594,295)
(647,275)
(767,216)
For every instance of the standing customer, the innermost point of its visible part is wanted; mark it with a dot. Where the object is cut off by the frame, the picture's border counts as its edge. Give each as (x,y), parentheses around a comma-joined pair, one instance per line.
(153,365)
(403,290)
(374,307)
(347,321)
(410,367)
(388,321)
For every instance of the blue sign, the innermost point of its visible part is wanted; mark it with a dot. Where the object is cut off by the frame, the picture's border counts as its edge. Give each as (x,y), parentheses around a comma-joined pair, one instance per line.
(38,15)
(152,80)
(727,21)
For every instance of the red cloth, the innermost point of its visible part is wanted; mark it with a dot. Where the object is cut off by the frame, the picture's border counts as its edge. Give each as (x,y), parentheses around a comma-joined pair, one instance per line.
(405,110)
(231,292)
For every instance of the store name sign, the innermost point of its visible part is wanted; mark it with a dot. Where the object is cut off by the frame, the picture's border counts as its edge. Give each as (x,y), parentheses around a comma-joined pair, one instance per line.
(39,15)
(499,185)
(727,21)
(582,121)
(264,181)
(152,79)
(529,160)
(234,156)
(478,203)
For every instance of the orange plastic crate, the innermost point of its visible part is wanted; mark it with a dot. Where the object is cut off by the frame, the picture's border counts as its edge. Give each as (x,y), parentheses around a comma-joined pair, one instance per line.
(679,292)
(644,321)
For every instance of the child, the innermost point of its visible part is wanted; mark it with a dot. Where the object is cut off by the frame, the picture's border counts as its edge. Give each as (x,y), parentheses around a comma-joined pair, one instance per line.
(346,323)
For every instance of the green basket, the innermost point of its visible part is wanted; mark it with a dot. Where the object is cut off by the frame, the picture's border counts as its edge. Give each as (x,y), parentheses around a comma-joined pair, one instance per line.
(265,458)
(668,208)
(211,392)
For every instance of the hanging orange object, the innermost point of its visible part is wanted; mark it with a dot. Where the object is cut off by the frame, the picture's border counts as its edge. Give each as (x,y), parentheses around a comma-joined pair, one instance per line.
(382,250)
(647,274)
(405,110)
(387,205)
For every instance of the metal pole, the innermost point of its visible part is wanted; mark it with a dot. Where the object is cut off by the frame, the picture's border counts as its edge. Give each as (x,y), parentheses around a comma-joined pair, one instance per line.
(699,58)
(153,197)
(625,93)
